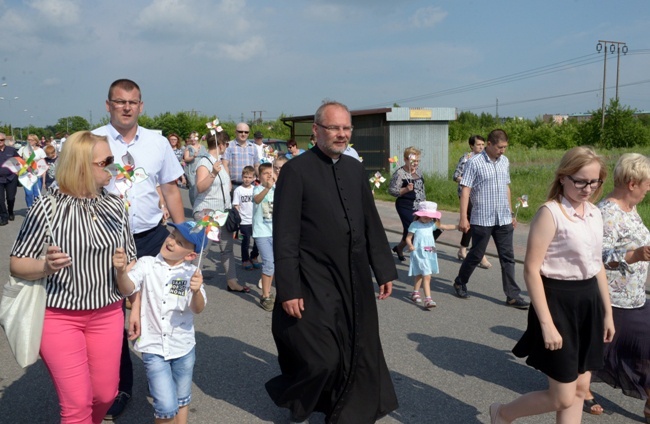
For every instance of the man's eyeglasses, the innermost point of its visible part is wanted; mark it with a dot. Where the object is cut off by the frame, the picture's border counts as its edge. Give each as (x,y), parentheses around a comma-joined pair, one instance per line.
(121,103)
(335,128)
(104,163)
(242,132)
(581,184)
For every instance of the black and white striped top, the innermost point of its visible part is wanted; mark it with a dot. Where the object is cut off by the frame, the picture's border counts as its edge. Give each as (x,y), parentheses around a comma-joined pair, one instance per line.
(89,230)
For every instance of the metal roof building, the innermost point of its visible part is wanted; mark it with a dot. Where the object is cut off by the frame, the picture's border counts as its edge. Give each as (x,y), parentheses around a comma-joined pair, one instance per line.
(383,133)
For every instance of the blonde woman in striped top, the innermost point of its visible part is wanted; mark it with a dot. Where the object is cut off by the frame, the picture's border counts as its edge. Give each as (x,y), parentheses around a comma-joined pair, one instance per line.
(82,330)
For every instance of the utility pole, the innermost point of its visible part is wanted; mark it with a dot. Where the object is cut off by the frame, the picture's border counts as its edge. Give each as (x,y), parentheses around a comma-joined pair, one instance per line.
(614,46)
(255,112)
(497,116)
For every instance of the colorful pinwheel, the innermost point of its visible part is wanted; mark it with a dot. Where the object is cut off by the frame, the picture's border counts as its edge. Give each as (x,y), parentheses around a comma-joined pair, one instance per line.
(126,175)
(210,223)
(393,162)
(269,154)
(214,126)
(29,170)
(521,202)
(377,180)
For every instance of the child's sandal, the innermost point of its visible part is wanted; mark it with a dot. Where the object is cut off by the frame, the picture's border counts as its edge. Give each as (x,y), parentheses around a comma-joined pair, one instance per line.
(415,297)
(428,303)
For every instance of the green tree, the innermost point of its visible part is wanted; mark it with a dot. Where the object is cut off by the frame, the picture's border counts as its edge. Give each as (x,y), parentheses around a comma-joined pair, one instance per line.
(70,125)
(622,128)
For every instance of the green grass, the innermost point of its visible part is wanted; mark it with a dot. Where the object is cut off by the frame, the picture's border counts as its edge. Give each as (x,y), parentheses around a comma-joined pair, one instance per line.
(531,172)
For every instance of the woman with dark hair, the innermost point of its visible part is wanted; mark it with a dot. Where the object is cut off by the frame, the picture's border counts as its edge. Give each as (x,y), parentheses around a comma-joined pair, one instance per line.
(570,318)
(179,151)
(476,144)
(213,192)
(82,329)
(294,151)
(194,150)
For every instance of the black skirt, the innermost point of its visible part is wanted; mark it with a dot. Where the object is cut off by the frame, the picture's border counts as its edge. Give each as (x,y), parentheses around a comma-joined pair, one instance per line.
(627,357)
(577,311)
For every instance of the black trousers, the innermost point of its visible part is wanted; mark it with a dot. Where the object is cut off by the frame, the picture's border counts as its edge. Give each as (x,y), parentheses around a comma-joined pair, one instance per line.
(8,198)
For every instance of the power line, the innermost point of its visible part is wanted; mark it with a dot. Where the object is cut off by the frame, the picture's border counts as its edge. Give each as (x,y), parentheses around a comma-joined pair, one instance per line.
(488,106)
(530,73)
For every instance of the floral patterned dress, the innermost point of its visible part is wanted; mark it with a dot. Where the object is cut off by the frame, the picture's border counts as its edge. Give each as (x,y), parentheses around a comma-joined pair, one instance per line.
(627,357)
(624,231)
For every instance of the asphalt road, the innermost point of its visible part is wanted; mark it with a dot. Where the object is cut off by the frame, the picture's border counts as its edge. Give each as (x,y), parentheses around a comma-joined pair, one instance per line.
(448,364)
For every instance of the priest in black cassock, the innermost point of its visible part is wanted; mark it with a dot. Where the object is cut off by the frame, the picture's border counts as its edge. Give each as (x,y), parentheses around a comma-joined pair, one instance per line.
(327,237)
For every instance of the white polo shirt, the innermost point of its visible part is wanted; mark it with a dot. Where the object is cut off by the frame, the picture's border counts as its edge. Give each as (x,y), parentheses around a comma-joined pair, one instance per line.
(167,322)
(152,152)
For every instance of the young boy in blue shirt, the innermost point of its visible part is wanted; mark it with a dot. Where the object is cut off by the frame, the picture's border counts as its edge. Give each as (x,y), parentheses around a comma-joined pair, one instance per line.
(172,293)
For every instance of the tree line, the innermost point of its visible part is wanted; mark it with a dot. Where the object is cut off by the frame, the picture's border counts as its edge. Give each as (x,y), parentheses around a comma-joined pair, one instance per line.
(623,129)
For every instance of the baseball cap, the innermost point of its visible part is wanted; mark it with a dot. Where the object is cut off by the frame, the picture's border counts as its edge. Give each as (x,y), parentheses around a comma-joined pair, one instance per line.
(258,134)
(198,238)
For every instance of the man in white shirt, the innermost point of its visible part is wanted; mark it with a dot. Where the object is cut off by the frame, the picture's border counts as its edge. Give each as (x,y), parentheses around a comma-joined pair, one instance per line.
(151,152)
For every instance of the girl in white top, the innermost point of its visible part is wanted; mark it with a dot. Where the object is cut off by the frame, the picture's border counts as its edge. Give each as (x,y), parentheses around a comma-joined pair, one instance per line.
(571,315)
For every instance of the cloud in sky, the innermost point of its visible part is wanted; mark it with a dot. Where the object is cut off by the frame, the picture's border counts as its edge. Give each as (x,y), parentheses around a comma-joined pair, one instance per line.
(428,17)
(230,57)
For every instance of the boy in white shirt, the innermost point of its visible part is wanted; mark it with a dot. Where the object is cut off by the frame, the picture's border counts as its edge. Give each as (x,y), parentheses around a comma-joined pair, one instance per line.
(172,293)
(243,202)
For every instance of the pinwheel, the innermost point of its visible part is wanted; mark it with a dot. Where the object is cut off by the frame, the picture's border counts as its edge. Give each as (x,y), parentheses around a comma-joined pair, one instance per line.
(269,155)
(29,170)
(126,175)
(393,161)
(210,223)
(377,180)
(521,202)
(214,126)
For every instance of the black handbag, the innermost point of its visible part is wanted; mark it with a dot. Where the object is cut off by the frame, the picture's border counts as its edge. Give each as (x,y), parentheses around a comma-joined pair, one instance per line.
(233,221)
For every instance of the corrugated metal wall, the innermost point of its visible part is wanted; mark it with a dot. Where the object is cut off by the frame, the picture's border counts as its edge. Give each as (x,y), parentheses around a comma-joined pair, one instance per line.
(429,132)
(429,136)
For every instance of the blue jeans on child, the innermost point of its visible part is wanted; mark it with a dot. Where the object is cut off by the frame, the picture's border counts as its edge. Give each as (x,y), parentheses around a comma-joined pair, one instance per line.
(32,193)
(265,245)
(170,382)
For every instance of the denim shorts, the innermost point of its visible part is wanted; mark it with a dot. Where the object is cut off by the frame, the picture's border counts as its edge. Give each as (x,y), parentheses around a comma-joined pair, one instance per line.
(265,247)
(170,382)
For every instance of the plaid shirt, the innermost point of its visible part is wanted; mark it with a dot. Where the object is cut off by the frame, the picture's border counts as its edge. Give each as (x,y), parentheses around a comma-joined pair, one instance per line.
(240,156)
(489,182)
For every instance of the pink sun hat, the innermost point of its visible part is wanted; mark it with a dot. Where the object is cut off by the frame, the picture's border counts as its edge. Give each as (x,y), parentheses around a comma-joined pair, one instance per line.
(428,209)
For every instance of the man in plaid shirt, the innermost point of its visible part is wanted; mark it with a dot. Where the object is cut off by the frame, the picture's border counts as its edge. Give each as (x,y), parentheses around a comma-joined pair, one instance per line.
(486,181)
(240,153)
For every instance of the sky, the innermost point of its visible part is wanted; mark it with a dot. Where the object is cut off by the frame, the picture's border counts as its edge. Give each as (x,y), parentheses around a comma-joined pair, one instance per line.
(231,57)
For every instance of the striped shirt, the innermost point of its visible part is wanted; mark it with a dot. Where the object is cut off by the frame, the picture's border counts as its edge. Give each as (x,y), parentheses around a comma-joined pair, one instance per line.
(489,181)
(213,197)
(89,230)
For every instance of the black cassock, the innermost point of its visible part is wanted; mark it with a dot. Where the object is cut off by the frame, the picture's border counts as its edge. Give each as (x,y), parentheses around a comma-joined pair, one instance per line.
(327,236)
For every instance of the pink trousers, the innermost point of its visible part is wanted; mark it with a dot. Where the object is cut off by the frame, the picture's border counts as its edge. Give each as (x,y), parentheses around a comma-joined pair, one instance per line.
(81,350)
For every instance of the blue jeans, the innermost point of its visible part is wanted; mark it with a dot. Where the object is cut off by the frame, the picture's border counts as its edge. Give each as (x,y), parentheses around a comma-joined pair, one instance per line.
(502,235)
(32,193)
(170,382)
(265,245)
